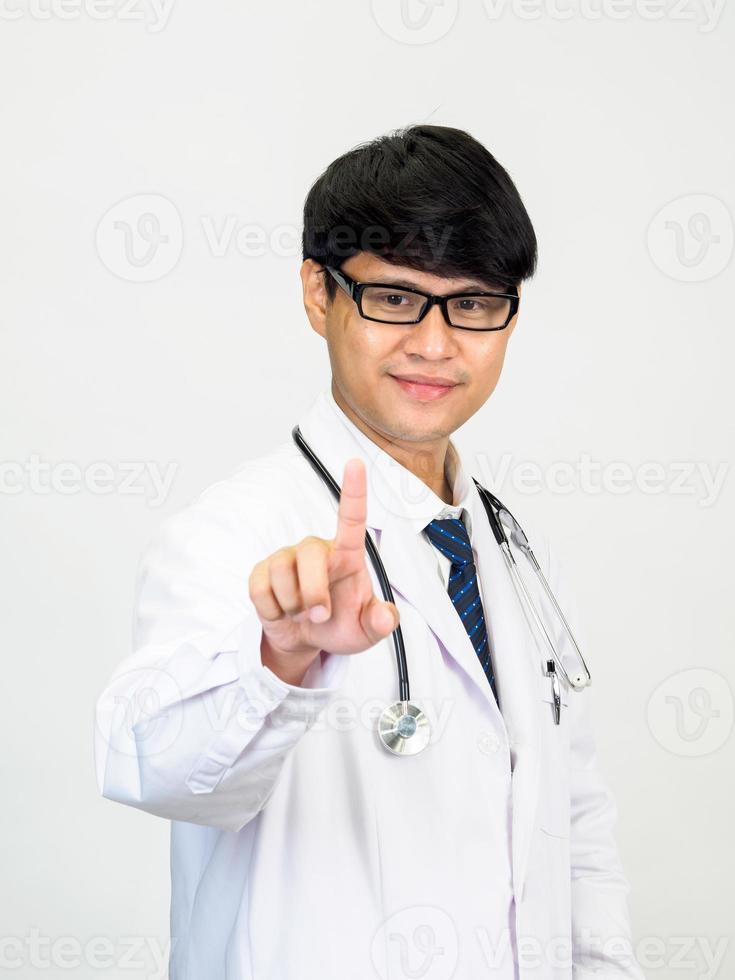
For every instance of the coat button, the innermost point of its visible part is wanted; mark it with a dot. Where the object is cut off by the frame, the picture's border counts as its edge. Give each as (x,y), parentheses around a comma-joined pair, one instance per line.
(488,742)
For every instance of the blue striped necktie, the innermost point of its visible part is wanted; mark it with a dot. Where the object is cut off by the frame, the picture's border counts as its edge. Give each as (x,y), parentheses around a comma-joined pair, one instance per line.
(450,537)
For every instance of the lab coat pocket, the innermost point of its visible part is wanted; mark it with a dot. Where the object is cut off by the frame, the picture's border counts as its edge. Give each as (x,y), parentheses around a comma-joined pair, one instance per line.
(554,807)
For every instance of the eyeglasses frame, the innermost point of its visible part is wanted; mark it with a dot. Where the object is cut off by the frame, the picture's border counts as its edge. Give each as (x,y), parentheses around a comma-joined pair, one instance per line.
(355,290)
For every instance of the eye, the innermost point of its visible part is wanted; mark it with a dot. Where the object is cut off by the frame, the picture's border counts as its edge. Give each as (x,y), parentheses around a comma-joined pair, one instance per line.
(387,304)
(478,304)
(392,299)
(482,312)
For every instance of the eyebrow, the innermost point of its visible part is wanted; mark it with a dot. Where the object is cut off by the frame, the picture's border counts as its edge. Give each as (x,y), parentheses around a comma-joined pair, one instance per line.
(406,284)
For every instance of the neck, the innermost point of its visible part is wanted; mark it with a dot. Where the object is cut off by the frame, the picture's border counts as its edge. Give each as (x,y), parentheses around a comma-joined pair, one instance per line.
(432,462)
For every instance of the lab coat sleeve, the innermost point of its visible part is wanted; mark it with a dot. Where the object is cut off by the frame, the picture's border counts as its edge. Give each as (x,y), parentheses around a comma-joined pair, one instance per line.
(602,944)
(192,726)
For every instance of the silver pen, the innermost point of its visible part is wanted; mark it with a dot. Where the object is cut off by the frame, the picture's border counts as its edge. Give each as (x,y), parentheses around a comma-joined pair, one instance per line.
(555,689)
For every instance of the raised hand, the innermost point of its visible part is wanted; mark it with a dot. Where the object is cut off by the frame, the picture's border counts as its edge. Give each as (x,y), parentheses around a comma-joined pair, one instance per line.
(317,594)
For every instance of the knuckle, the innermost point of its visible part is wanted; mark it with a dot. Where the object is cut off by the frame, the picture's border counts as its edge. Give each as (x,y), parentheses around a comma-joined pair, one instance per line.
(257,578)
(261,598)
(310,541)
(281,560)
(258,589)
(312,556)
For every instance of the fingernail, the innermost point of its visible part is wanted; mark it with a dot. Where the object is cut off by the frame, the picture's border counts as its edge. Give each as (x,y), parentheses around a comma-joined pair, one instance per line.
(318,614)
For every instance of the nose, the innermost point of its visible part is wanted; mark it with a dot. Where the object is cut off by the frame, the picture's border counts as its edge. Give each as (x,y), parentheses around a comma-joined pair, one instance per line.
(431,337)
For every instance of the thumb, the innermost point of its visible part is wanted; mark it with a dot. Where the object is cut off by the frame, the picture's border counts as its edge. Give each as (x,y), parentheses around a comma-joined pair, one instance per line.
(379,619)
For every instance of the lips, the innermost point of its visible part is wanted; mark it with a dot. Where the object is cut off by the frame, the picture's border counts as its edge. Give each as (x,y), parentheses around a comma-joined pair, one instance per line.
(424,391)
(422,379)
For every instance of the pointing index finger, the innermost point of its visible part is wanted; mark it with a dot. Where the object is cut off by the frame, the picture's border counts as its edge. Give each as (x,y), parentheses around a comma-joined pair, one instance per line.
(352,511)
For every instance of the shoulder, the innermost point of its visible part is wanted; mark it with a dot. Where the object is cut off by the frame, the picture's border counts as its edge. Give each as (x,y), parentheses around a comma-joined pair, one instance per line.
(236,518)
(194,568)
(266,481)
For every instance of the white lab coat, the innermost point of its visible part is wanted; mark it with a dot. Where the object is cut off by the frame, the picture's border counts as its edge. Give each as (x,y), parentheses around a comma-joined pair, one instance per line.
(300,848)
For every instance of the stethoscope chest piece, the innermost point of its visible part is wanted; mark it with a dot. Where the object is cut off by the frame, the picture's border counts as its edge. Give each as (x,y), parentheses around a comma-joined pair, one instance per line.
(403,728)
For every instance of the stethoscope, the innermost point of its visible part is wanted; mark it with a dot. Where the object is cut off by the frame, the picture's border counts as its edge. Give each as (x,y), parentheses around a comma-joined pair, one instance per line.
(403,728)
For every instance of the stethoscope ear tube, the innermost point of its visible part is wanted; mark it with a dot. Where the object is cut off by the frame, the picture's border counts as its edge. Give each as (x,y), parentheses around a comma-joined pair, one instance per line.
(579,680)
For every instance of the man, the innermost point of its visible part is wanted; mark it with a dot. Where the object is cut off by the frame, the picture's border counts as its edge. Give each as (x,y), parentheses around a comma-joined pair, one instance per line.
(301,847)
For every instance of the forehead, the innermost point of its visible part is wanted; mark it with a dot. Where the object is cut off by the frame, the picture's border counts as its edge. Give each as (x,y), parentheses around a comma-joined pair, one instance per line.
(367,267)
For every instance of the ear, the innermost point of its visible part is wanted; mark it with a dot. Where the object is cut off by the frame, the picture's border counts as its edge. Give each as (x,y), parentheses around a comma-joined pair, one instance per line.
(511,326)
(315,295)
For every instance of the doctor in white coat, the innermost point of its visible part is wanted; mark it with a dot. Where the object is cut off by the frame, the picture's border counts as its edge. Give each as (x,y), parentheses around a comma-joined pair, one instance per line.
(301,849)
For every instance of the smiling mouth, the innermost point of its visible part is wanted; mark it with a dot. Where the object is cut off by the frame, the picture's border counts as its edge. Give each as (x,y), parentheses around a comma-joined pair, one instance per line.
(424,390)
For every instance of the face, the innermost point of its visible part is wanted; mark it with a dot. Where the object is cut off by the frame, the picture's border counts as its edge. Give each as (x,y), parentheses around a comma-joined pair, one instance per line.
(367,357)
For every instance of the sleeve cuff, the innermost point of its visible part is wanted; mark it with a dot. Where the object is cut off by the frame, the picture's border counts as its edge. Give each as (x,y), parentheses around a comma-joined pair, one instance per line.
(322,680)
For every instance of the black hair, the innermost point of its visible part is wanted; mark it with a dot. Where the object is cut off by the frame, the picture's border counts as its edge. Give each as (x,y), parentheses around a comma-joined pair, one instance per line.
(426,197)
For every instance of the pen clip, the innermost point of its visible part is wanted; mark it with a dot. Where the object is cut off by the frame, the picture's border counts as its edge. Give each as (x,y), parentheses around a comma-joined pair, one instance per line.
(555,689)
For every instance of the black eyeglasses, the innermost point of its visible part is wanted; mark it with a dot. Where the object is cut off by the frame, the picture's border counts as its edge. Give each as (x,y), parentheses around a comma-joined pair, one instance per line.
(385,302)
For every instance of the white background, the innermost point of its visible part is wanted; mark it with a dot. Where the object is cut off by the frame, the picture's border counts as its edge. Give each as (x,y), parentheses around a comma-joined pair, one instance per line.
(623,353)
